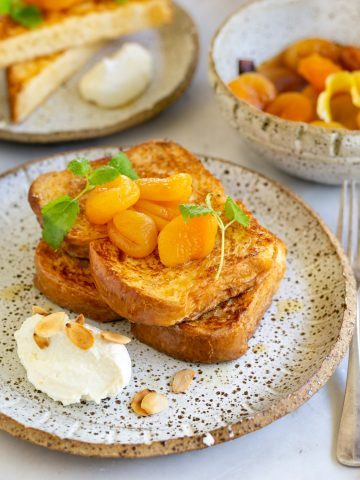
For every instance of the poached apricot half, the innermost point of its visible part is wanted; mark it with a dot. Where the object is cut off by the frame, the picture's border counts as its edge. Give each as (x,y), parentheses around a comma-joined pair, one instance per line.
(315,69)
(160,212)
(292,106)
(181,241)
(134,233)
(303,48)
(113,197)
(253,88)
(177,187)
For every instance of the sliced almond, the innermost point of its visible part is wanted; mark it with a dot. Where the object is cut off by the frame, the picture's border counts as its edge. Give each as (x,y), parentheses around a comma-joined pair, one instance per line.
(36,310)
(80,319)
(115,337)
(41,342)
(136,402)
(79,335)
(182,380)
(50,325)
(154,402)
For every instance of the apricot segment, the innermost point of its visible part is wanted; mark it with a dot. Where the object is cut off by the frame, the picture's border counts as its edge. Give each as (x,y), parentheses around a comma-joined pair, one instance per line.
(134,233)
(315,69)
(176,188)
(180,242)
(283,78)
(292,106)
(344,111)
(104,202)
(253,88)
(160,212)
(350,58)
(308,46)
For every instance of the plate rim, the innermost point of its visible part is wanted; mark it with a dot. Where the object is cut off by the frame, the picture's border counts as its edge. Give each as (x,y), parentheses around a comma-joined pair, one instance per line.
(227,432)
(141,117)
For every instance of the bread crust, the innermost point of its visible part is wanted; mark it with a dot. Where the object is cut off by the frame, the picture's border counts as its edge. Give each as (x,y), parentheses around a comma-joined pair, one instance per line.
(223,333)
(31,83)
(67,282)
(80,25)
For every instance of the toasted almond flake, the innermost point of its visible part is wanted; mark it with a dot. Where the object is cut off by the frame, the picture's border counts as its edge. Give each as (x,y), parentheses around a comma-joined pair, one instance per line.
(136,402)
(182,380)
(36,310)
(80,319)
(41,342)
(115,337)
(79,335)
(154,402)
(50,325)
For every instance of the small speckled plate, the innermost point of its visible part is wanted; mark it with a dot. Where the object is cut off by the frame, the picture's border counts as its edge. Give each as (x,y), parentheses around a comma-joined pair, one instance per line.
(65,116)
(297,347)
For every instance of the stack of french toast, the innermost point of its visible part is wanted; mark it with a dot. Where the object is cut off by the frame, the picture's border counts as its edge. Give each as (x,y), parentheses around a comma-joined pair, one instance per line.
(185,310)
(44,42)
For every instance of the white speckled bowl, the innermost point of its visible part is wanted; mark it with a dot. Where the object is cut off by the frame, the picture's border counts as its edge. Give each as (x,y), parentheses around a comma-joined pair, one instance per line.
(259,30)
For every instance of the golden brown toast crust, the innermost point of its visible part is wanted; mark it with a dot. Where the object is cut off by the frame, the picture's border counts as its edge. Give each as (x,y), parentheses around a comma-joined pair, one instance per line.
(150,159)
(223,333)
(145,291)
(67,282)
(82,24)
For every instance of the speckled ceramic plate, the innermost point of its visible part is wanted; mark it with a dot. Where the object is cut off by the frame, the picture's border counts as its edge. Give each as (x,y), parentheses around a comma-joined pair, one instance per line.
(65,116)
(299,343)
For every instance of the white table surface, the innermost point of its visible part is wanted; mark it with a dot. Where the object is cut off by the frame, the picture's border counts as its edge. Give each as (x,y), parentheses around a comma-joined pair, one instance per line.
(297,447)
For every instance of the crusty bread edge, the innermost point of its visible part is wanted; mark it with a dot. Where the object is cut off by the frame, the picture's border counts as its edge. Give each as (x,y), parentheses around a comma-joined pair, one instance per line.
(25,97)
(76,31)
(227,343)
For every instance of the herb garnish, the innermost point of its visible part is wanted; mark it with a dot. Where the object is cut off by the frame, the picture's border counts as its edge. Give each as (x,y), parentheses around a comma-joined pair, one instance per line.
(59,215)
(232,212)
(28,16)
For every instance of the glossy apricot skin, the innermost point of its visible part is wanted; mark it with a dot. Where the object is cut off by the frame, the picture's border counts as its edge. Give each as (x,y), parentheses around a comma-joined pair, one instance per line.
(180,242)
(253,88)
(303,48)
(320,123)
(284,79)
(177,187)
(134,233)
(344,111)
(103,202)
(350,58)
(53,5)
(315,69)
(160,212)
(292,106)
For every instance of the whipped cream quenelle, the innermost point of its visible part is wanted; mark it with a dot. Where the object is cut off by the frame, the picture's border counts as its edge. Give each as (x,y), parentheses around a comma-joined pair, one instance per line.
(68,373)
(117,80)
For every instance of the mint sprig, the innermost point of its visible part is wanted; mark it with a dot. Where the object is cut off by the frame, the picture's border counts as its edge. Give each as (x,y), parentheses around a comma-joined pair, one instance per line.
(29,16)
(232,212)
(59,215)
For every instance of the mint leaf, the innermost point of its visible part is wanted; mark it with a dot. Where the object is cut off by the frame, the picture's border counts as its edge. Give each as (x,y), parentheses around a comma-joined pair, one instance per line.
(5,6)
(28,16)
(234,212)
(59,216)
(79,166)
(123,165)
(102,175)
(188,210)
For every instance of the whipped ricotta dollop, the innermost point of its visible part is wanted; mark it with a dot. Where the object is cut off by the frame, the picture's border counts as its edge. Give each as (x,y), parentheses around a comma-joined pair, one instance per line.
(69,374)
(117,80)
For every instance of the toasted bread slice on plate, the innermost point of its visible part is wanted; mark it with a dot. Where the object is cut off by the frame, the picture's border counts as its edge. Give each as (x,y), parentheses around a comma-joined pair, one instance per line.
(150,159)
(145,291)
(77,26)
(30,83)
(67,282)
(223,333)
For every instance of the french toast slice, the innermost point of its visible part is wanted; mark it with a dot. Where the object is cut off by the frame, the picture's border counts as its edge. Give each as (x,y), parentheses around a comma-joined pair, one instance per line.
(145,291)
(149,159)
(67,282)
(82,24)
(223,333)
(30,83)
